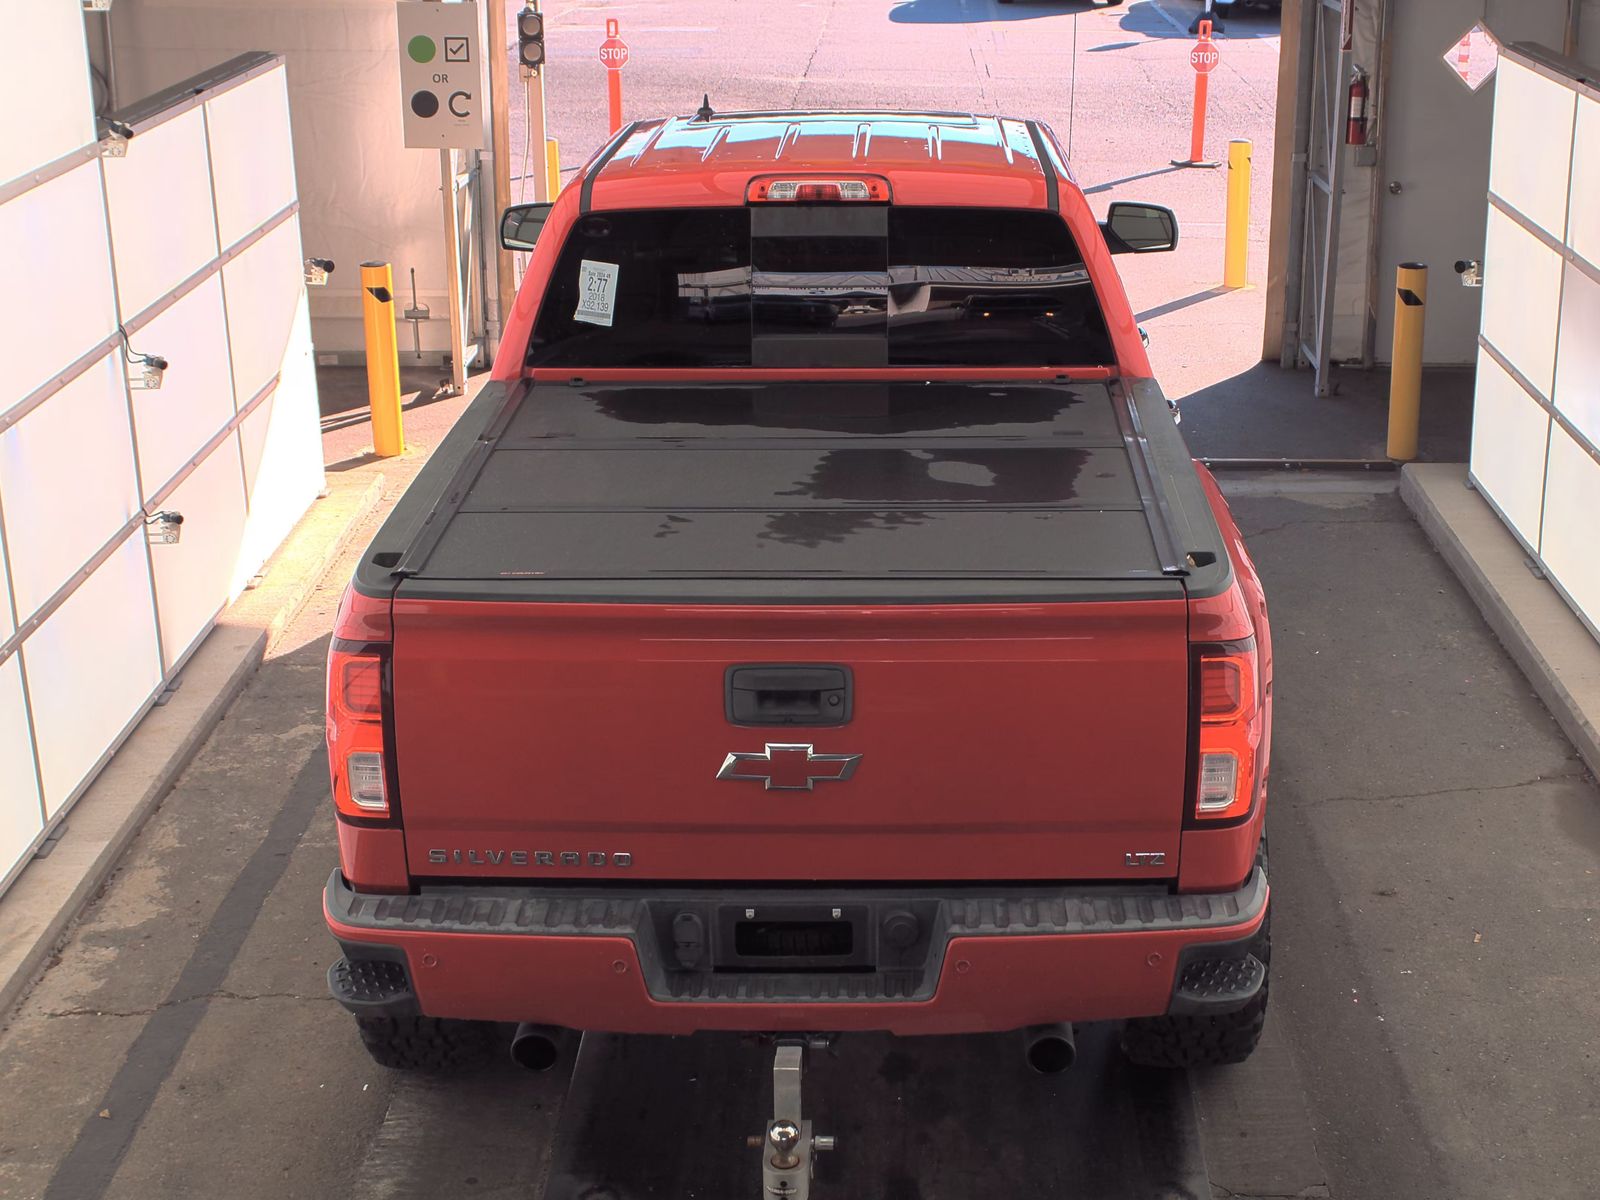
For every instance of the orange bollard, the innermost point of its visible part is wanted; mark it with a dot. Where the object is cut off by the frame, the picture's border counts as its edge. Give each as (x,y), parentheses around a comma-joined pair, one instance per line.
(1203,57)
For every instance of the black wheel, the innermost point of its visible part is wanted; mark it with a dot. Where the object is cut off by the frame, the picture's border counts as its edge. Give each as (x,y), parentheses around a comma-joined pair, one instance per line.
(1183,1042)
(1221,1040)
(427,1043)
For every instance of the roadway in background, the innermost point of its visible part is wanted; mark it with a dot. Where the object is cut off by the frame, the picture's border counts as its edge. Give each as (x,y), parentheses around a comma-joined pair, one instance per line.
(1126,114)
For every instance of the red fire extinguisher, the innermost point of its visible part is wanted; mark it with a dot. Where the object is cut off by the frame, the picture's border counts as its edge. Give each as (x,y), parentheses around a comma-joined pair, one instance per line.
(1355,133)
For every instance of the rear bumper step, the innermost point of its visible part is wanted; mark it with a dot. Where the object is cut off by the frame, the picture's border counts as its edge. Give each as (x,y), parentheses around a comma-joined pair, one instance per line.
(918,960)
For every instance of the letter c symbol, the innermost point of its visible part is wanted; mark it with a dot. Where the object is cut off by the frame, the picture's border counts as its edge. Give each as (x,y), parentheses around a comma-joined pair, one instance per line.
(459,112)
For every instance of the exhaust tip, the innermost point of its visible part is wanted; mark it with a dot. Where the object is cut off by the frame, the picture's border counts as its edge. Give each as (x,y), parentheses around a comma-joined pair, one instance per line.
(535,1047)
(1051,1049)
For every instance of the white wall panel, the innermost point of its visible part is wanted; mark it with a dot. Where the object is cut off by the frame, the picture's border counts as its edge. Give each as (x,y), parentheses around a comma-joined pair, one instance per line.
(1509,431)
(1572,505)
(67,481)
(1532,144)
(282,447)
(195,399)
(44,88)
(364,197)
(1577,395)
(162,227)
(1520,299)
(194,575)
(58,268)
(1583,221)
(252,155)
(20,818)
(90,667)
(265,287)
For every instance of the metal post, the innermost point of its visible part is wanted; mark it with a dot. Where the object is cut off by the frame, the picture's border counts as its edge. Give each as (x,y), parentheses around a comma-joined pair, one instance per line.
(452,267)
(500,149)
(1405,371)
(383,358)
(533,79)
(1237,233)
(1294,258)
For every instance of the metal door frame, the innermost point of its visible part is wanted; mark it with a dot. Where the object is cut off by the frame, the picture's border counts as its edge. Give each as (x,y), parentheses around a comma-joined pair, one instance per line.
(1318,190)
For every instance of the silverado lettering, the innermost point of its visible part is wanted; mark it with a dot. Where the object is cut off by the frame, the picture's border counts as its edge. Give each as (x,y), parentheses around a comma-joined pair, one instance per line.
(538,858)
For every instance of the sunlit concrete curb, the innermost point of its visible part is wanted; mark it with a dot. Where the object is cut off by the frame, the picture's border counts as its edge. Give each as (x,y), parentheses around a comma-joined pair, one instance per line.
(1543,635)
(38,909)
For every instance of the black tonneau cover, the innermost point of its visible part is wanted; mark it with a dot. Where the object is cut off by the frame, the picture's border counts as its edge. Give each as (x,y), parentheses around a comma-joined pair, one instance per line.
(779,491)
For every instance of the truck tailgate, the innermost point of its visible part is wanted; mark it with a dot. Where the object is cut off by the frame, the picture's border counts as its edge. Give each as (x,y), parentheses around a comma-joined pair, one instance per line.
(1026,742)
(991,562)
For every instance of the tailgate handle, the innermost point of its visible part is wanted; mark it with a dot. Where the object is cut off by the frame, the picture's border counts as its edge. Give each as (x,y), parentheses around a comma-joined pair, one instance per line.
(789,695)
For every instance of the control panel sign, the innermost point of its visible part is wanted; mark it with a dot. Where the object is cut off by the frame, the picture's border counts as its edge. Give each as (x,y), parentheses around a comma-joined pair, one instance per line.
(441,81)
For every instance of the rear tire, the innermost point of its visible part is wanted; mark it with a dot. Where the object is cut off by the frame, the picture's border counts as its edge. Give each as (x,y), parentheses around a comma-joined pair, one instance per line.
(1178,1043)
(430,1044)
(1219,1040)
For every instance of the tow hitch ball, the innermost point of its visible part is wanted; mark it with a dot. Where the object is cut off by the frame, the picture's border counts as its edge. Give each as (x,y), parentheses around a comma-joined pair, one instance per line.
(789,1145)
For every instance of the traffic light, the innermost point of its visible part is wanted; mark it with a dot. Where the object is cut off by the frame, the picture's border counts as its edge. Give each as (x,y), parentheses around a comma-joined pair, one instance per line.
(530,37)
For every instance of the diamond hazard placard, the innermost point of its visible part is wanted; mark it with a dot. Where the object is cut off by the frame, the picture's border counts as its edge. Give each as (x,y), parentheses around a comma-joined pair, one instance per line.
(1474,56)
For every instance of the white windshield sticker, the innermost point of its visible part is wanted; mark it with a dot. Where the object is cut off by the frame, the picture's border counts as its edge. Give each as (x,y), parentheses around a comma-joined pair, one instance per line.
(597,292)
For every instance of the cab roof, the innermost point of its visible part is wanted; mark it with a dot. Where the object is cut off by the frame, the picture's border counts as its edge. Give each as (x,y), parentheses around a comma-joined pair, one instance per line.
(928,157)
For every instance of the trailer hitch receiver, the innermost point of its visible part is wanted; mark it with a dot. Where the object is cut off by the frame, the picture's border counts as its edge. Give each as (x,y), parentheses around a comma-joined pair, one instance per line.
(789,1147)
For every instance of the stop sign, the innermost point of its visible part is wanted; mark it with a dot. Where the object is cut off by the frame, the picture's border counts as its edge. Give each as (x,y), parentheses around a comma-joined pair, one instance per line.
(1204,57)
(614,53)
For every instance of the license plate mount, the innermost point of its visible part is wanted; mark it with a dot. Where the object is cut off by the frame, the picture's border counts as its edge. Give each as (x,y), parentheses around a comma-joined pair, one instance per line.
(794,937)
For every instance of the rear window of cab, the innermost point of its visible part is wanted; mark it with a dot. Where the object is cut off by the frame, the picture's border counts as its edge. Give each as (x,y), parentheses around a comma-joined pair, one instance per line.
(819,286)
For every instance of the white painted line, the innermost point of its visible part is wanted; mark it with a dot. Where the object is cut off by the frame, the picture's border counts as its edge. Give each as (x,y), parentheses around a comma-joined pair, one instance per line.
(1169,18)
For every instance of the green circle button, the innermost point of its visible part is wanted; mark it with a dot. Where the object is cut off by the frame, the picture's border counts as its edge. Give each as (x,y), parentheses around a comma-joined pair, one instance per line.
(421,49)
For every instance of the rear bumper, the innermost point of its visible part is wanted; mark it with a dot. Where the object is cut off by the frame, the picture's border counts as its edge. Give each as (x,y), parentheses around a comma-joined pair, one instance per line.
(967,961)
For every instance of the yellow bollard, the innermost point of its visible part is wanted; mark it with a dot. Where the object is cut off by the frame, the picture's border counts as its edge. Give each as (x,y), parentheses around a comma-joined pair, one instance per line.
(1405,371)
(552,168)
(1237,240)
(383,358)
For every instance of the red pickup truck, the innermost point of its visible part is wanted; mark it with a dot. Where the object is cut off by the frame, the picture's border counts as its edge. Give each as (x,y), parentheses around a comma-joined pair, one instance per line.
(818,624)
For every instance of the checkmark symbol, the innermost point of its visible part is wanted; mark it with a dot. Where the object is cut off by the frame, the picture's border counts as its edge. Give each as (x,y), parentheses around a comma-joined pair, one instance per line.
(455,50)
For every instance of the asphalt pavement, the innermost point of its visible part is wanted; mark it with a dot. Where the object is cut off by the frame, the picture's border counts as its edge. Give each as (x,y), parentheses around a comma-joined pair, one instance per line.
(1435,841)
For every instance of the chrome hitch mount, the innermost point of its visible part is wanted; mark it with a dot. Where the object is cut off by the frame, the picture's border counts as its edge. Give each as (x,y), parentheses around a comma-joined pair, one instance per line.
(789,1147)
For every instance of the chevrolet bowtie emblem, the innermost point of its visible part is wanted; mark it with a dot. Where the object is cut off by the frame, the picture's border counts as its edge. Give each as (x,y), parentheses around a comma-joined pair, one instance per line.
(790,767)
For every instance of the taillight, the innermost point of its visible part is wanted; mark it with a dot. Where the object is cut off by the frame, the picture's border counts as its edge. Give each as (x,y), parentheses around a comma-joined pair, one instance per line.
(1229,722)
(355,730)
(858,189)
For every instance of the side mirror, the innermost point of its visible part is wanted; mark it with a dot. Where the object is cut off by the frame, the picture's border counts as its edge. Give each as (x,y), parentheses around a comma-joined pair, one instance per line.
(1139,228)
(520,224)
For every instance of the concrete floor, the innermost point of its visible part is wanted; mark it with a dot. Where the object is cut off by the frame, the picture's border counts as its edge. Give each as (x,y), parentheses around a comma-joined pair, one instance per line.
(1435,841)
